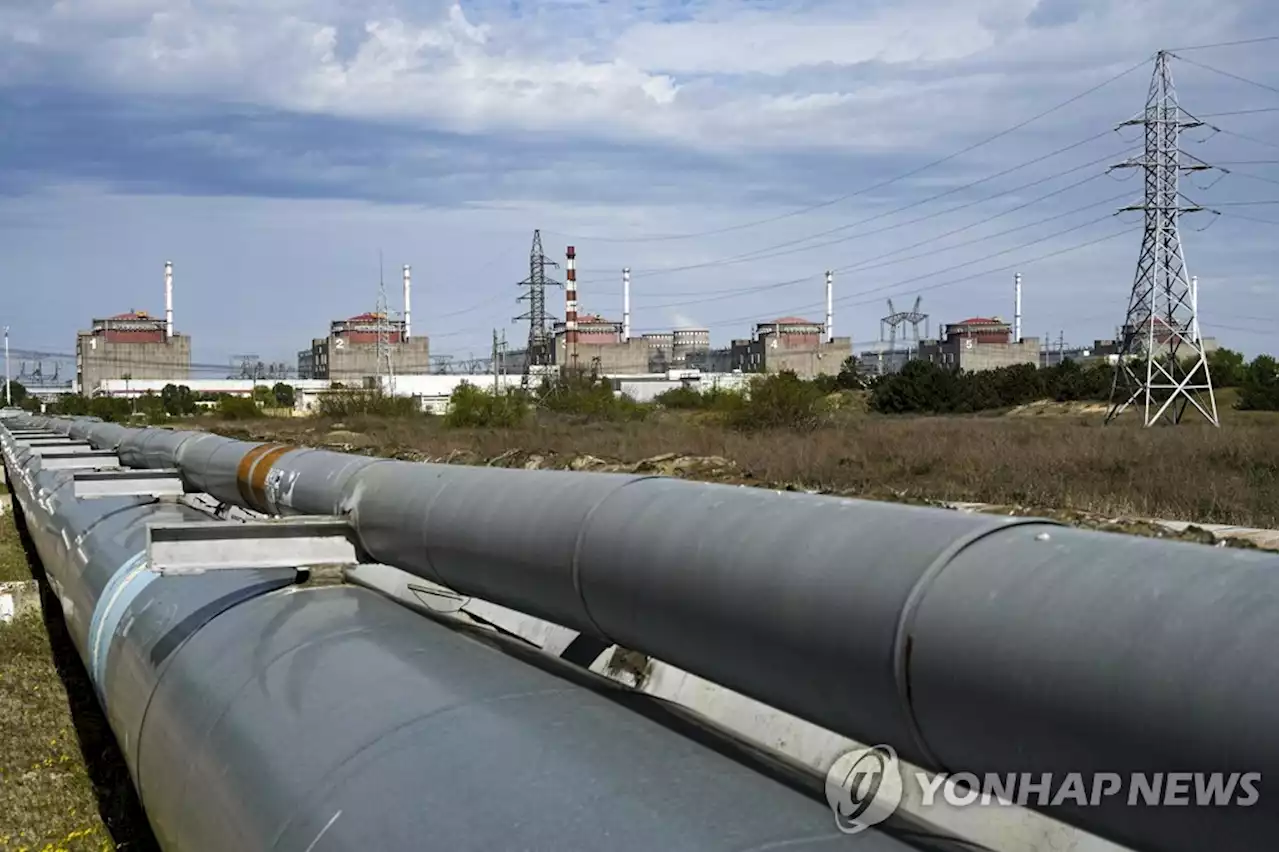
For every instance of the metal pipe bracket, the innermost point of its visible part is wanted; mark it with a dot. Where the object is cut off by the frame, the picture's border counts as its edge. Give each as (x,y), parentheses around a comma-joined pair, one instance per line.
(297,542)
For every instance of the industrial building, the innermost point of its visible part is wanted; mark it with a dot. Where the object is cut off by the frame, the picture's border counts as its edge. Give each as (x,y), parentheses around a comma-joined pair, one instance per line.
(884,361)
(600,347)
(133,345)
(798,345)
(980,343)
(353,351)
(350,352)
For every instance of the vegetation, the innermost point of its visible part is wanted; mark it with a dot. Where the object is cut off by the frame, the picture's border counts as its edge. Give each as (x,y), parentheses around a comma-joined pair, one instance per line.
(178,400)
(687,398)
(779,401)
(238,408)
(472,407)
(927,388)
(63,783)
(849,378)
(16,392)
(351,402)
(1258,386)
(589,397)
(283,395)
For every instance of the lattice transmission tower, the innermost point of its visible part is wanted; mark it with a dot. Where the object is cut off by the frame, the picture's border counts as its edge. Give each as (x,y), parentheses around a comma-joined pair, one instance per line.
(539,349)
(1162,364)
(383,314)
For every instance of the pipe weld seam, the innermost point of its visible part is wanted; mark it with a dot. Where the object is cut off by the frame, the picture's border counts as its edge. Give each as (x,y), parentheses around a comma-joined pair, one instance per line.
(575,563)
(906,623)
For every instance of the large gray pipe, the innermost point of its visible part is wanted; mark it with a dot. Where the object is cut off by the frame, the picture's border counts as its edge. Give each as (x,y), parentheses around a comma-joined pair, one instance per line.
(254,714)
(969,642)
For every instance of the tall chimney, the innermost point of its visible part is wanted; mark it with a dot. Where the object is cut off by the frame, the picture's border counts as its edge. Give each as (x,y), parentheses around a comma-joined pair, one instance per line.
(168,300)
(407,285)
(1017,307)
(829,328)
(626,303)
(571,305)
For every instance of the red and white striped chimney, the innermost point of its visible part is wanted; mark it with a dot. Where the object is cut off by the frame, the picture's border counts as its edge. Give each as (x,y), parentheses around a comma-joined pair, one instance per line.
(571,305)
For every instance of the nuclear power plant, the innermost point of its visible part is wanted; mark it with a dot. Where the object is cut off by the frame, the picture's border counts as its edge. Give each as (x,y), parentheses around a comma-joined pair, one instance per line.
(133,345)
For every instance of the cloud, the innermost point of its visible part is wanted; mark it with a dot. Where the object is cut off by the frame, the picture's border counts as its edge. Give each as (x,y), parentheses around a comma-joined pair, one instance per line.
(286,140)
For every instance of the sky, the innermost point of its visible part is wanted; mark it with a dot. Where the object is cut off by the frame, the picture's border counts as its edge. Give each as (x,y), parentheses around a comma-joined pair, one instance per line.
(727,151)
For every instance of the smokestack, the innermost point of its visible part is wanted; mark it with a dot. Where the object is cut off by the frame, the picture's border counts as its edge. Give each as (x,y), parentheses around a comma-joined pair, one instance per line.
(626,303)
(168,300)
(1017,307)
(571,305)
(407,286)
(829,328)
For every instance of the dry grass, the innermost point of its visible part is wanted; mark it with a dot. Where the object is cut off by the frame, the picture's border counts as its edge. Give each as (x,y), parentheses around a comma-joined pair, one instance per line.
(1191,472)
(63,784)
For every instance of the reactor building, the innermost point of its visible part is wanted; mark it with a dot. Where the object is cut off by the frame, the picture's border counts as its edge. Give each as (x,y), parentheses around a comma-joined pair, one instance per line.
(352,352)
(980,343)
(804,347)
(133,345)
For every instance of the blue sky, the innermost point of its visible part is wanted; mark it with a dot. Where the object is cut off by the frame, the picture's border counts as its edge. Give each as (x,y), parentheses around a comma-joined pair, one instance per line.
(728,152)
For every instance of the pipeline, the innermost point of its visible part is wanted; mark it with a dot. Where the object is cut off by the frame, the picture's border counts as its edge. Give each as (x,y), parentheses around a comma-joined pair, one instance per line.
(255,713)
(970,643)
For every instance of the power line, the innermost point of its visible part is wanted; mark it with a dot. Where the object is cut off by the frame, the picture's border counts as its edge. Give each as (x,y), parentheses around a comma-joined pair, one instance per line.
(863,263)
(1239,112)
(1261,178)
(911,173)
(1258,40)
(1246,218)
(869,263)
(986,272)
(942,271)
(769,251)
(1269,88)
(1244,137)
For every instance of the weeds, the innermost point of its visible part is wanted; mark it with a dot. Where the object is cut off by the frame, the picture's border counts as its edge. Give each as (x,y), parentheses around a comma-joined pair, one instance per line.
(352,402)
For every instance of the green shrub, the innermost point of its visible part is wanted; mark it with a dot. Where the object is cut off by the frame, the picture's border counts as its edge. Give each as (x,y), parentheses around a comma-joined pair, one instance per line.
(589,397)
(284,395)
(923,387)
(238,408)
(1259,387)
(683,397)
(691,399)
(472,407)
(352,402)
(780,400)
(110,408)
(70,405)
(151,408)
(178,400)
